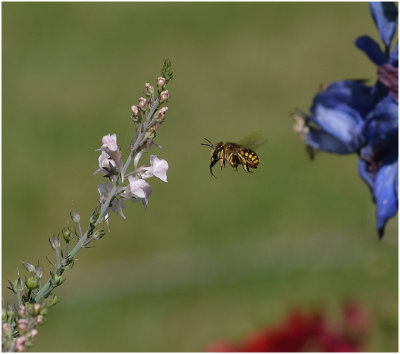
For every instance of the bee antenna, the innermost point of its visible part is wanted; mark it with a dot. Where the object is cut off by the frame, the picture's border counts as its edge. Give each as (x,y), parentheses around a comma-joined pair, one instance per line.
(210,143)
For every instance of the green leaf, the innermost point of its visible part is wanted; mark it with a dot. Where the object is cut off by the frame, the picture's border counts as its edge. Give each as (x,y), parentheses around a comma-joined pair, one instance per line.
(166,71)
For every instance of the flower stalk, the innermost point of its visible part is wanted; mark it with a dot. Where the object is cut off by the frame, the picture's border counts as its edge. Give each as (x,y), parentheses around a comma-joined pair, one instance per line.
(23,322)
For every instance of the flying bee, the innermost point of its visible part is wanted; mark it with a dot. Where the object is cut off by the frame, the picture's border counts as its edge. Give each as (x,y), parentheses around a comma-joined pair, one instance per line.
(236,153)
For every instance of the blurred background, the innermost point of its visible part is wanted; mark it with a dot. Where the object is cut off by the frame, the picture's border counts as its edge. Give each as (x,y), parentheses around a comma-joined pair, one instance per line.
(209,258)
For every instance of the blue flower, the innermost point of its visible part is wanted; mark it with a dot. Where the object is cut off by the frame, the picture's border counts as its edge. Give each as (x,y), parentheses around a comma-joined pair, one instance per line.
(350,117)
(385,17)
(379,159)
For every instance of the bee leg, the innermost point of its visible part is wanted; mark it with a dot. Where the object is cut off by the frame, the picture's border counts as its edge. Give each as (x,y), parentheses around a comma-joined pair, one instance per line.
(246,168)
(244,163)
(230,160)
(221,159)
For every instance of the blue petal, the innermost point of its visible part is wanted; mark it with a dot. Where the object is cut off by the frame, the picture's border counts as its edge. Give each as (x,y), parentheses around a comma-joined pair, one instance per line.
(339,121)
(385,194)
(352,93)
(382,123)
(371,49)
(385,17)
(320,140)
(394,56)
(366,174)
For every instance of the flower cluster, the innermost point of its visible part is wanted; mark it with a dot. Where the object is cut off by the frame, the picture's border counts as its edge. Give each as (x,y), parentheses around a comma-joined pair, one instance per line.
(137,189)
(349,116)
(19,324)
(302,331)
(147,115)
(20,321)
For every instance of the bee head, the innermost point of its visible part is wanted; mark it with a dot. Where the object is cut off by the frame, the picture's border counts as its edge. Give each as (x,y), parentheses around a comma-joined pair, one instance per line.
(216,149)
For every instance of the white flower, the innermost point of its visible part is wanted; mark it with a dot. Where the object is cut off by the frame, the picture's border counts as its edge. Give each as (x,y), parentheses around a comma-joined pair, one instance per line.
(158,168)
(110,142)
(139,188)
(111,148)
(107,165)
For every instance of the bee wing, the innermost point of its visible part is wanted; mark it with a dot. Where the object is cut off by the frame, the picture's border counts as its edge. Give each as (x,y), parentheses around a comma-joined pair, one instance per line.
(253,140)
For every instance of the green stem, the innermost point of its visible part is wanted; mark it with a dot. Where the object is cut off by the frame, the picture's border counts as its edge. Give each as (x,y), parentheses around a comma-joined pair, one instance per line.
(58,257)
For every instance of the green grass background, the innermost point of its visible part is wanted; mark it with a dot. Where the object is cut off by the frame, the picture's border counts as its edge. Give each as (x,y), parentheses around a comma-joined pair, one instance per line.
(210,258)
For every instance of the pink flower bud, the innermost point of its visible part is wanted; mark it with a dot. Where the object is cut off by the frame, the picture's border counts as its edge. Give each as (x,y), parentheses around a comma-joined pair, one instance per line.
(164,95)
(160,82)
(20,344)
(22,311)
(22,325)
(160,114)
(148,89)
(135,110)
(6,328)
(34,333)
(110,142)
(39,319)
(142,103)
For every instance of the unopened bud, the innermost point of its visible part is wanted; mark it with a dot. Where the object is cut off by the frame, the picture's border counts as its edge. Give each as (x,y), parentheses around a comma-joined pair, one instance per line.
(68,264)
(29,267)
(40,319)
(66,232)
(18,285)
(142,103)
(22,325)
(22,311)
(57,279)
(39,272)
(32,283)
(54,242)
(36,309)
(3,315)
(160,82)
(164,95)
(98,234)
(54,300)
(29,309)
(75,216)
(148,90)
(66,261)
(6,329)
(20,344)
(34,333)
(135,110)
(160,114)
(10,310)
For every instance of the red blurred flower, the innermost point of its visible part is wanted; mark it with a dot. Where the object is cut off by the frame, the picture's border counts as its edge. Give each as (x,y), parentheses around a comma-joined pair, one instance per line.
(302,331)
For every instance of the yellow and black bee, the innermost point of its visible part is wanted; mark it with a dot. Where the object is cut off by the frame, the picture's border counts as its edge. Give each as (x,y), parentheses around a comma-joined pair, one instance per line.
(235,153)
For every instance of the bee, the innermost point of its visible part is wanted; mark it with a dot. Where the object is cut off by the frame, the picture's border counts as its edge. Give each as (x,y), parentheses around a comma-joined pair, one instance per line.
(235,153)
